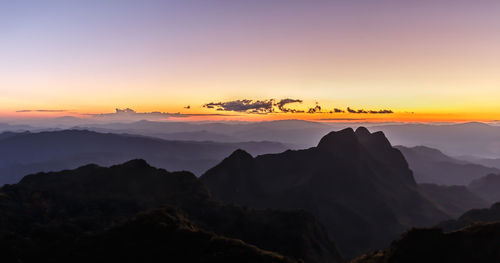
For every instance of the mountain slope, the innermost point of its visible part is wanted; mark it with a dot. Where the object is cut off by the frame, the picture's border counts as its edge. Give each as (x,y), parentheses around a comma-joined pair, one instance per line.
(432,166)
(455,200)
(26,153)
(356,183)
(47,211)
(487,187)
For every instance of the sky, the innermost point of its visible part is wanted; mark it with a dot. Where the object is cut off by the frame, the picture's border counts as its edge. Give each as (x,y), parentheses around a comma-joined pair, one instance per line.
(420,60)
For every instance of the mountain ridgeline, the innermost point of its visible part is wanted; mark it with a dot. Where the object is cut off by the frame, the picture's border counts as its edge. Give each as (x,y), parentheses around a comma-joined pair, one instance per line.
(354,182)
(27,152)
(432,166)
(133,212)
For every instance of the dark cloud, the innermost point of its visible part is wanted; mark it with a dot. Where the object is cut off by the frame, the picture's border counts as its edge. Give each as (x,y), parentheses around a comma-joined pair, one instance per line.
(316,109)
(248,106)
(281,105)
(356,111)
(187,107)
(381,112)
(42,111)
(273,106)
(361,111)
(336,110)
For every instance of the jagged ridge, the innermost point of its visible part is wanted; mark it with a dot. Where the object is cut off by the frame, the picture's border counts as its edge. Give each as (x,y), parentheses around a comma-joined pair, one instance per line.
(357,184)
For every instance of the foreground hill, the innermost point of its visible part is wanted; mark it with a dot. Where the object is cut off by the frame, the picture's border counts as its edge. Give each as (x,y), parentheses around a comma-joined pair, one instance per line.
(356,183)
(473,237)
(477,243)
(52,216)
(432,166)
(25,153)
(491,214)
(161,235)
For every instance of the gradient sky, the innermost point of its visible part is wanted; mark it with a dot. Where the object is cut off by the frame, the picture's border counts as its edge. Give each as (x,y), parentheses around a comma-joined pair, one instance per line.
(439,59)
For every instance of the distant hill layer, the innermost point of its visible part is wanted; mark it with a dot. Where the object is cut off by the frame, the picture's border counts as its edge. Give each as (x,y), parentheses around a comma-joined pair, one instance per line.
(473,138)
(355,182)
(487,187)
(432,166)
(24,153)
(462,139)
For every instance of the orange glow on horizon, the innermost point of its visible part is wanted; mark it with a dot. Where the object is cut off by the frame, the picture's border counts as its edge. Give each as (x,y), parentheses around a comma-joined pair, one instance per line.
(204,115)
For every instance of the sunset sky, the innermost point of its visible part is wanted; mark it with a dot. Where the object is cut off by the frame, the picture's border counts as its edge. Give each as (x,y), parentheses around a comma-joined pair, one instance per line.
(426,60)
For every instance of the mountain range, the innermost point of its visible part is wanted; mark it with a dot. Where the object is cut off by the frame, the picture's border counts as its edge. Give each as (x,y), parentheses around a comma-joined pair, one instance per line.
(27,152)
(351,193)
(430,165)
(471,140)
(455,139)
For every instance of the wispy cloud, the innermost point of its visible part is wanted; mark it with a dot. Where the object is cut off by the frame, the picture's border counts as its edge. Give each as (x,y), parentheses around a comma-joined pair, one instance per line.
(340,119)
(132,114)
(21,111)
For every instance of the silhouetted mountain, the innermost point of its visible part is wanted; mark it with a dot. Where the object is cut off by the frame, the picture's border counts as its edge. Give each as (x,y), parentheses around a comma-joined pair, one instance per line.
(488,215)
(50,215)
(26,153)
(478,243)
(356,183)
(454,200)
(487,187)
(432,166)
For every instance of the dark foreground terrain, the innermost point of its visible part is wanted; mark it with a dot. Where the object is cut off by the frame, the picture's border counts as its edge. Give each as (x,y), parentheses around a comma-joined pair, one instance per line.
(134,211)
(479,243)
